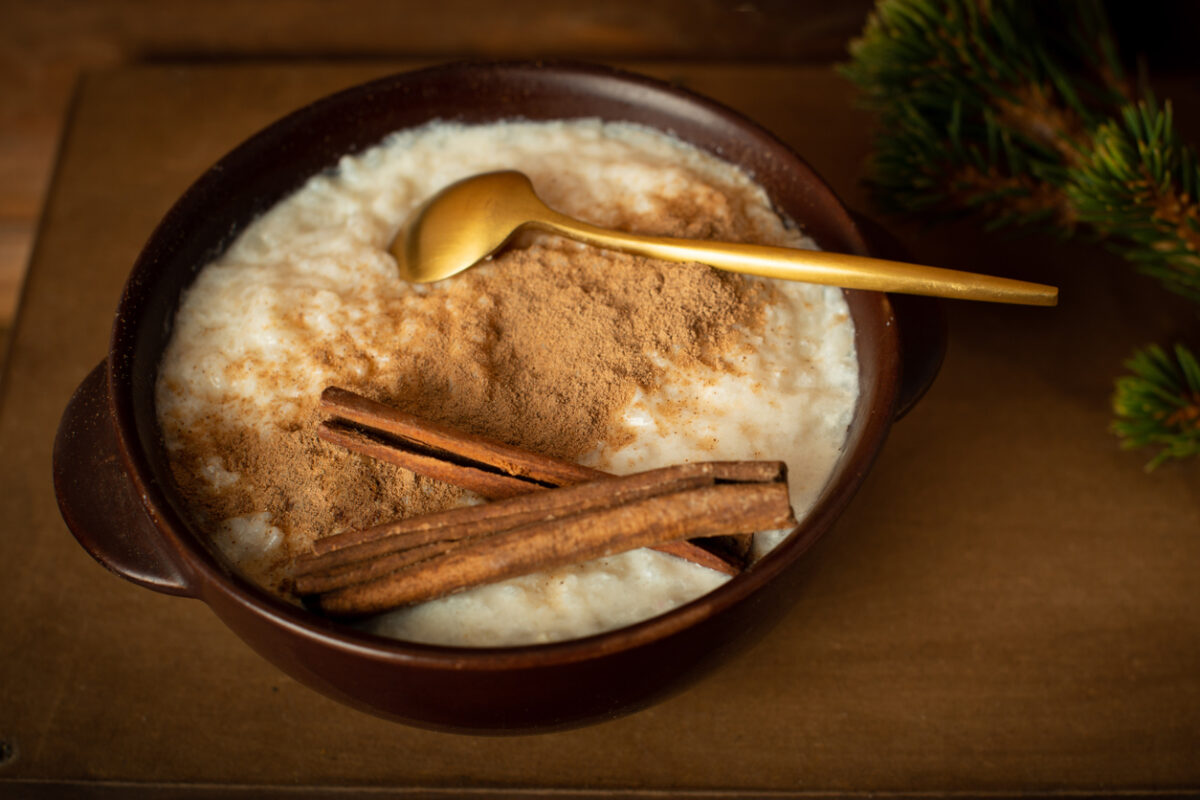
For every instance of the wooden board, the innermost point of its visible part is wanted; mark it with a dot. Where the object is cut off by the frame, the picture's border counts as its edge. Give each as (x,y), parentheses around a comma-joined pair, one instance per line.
(1010,605)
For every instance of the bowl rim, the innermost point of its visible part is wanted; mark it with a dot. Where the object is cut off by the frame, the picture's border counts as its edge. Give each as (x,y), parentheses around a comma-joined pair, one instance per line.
(206,573)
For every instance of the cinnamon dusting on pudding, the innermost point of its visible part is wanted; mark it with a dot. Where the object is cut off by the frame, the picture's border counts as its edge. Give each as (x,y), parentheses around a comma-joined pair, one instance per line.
(542,348)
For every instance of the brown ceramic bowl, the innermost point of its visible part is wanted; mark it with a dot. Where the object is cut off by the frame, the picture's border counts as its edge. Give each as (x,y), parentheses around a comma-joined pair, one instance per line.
(117,496)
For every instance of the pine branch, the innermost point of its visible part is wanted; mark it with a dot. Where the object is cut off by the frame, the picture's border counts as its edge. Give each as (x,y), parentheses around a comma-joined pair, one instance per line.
(1159,404)
(1019,113)
(1138,187)
(982,111)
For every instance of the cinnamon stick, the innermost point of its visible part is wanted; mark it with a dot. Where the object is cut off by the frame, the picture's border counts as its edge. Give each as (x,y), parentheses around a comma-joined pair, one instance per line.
(363,555)
(712,510)
(461,523)
(484,482)
(419,530)
(489,468)
(454,445)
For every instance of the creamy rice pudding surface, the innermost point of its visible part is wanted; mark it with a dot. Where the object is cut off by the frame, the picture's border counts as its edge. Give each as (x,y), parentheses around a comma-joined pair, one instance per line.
(618,362)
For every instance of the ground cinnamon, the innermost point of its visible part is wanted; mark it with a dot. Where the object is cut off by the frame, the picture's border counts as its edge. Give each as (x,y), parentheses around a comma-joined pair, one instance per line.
(484,364)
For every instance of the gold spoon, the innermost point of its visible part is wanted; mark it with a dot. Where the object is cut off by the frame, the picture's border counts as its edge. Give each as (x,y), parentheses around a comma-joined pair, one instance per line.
(469,220)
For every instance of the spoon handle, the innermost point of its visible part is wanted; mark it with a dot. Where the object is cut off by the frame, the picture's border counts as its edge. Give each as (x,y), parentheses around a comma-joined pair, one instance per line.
(812,266)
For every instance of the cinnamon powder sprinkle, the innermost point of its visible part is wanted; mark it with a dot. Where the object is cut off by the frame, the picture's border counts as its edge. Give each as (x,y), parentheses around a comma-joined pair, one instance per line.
(541,348)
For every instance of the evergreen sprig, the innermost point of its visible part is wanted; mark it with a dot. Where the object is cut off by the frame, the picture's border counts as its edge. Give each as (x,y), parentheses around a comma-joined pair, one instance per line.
(982,110)
(1158,405)
(1020,113)
(1137,186)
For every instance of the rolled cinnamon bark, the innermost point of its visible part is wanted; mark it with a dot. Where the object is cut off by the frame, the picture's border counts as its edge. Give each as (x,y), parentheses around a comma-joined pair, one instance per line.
(713,510)
(453,444)
(364,555)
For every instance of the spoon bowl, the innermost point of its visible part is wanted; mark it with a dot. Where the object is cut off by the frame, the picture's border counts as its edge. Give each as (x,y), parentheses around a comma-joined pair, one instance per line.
(463,224)
(471,219)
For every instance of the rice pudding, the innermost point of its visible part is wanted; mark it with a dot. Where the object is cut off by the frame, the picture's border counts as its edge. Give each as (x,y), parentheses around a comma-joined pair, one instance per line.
(615,361)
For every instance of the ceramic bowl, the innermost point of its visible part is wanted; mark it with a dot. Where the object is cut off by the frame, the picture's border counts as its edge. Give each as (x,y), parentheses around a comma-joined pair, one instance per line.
(117,495)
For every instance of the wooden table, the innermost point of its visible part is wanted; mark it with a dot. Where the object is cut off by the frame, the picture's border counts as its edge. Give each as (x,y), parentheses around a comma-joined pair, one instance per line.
(1010,606)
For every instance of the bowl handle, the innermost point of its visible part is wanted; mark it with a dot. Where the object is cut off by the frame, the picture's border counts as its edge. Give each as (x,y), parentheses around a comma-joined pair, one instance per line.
(97,499)
(921,324)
